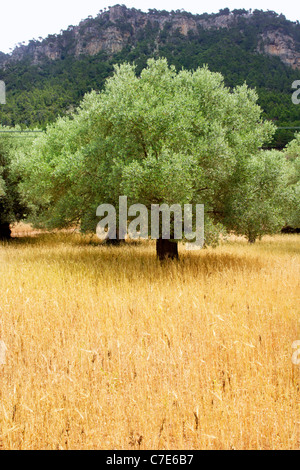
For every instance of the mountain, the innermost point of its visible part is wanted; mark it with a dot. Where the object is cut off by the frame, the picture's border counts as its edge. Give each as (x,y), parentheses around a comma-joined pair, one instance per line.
(49,76)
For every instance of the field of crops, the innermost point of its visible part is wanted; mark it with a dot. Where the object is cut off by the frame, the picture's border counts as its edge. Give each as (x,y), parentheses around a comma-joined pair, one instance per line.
(109,349)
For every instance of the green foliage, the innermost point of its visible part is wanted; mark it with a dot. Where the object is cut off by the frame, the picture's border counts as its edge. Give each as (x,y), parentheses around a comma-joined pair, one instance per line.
(11,206)
(261,197)
(38,94)
(158,137)
(292,152)
(293,148)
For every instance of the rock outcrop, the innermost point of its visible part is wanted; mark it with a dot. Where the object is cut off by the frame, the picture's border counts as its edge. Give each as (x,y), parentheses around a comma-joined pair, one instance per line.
(120,26)
(277,43)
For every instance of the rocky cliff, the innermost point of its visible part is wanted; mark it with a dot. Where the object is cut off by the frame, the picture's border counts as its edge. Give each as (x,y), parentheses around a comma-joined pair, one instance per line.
(277,43)
(110,31)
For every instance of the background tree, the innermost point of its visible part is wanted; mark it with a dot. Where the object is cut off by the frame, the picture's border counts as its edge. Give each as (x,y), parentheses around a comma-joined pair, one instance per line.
(261,196)
(292,152)
(12,208)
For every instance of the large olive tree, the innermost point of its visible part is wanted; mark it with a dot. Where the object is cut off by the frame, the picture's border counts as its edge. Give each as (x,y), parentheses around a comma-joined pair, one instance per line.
(161,137)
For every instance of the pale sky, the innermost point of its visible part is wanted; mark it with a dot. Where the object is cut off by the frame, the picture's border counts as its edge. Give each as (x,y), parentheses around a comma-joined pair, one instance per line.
(24,20)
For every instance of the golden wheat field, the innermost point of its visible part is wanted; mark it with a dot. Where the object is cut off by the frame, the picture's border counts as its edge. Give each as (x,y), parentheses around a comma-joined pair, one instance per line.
(109,349)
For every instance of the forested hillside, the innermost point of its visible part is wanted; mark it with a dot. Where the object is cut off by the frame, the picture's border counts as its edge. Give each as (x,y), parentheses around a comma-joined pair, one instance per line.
(48,77)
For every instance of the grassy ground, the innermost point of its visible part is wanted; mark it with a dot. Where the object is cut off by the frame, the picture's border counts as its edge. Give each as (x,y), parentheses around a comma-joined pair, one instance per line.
(108,349)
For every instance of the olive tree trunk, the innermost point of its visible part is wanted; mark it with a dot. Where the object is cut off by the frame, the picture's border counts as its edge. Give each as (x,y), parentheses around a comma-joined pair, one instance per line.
(115,241)
(166,249)
(5,232)
(251,238)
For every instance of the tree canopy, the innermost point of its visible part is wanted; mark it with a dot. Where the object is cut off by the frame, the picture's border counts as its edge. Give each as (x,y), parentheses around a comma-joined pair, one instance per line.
(292,152)
(12,205)
(159,137)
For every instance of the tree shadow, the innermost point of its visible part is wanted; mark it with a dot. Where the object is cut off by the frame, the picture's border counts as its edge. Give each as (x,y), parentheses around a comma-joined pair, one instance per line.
(137,256)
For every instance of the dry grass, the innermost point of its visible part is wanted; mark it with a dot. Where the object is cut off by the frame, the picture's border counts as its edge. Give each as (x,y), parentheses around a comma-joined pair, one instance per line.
(107,349)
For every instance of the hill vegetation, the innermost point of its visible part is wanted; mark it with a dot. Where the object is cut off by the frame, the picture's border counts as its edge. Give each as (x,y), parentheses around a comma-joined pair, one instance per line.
(49,77)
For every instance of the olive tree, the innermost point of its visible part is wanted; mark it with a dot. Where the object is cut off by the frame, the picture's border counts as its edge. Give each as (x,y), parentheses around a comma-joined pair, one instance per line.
(292,152)
(12,208)
(261,196)
(161,137)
